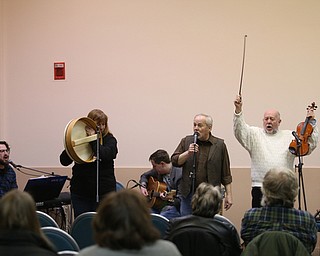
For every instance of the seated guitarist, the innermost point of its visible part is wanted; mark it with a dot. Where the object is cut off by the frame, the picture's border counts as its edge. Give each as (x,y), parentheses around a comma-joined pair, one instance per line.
(160,182)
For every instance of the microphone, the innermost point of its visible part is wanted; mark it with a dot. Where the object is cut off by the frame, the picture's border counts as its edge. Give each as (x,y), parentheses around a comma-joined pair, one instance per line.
(295,135)
(195,137)
(17,166)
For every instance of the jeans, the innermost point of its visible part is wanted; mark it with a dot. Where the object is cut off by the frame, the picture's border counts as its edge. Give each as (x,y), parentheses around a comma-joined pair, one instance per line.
(185,208)
(169,211)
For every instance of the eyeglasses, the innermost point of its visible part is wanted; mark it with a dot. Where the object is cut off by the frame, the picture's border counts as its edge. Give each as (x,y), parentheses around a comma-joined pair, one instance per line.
(4,150)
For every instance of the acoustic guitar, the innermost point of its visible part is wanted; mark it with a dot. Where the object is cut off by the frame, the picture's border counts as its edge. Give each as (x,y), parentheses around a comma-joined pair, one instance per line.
(155,188)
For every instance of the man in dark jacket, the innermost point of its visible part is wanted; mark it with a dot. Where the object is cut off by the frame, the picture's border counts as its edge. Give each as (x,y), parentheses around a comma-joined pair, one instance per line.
(203,158)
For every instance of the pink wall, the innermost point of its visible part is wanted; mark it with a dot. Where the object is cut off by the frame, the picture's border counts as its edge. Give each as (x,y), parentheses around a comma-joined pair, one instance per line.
(151,66)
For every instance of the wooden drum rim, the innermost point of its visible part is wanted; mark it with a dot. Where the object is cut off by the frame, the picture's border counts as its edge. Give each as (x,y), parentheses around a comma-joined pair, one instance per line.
(78,126)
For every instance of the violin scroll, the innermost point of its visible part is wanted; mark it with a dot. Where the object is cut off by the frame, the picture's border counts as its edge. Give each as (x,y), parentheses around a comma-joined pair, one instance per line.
(310,109)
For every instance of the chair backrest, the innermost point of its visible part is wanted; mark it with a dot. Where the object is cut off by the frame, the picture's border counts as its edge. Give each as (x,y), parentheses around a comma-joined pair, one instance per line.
(68,253)
(46,220)
(60,239)
(275,243)
(119,186)
(82,231)
(160,222)
(196,241)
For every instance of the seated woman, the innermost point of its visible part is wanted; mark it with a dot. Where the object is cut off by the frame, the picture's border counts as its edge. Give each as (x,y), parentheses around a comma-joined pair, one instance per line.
(20,232)
(123,226)
(204,230)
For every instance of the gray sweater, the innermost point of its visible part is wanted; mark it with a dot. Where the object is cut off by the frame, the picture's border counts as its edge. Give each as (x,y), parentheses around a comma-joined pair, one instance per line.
(159,248)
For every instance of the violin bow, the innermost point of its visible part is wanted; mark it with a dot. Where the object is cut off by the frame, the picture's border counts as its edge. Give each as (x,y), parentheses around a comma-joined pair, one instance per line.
(242,68)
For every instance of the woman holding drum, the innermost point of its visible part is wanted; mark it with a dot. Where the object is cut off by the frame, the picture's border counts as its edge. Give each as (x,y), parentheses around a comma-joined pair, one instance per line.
(93,169)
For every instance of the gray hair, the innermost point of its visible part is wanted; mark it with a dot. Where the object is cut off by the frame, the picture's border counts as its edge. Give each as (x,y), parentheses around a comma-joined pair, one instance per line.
(206,201)
(209,119)
(279,187)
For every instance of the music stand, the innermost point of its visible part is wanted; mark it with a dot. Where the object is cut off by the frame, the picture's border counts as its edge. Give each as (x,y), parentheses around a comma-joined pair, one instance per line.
(45,188)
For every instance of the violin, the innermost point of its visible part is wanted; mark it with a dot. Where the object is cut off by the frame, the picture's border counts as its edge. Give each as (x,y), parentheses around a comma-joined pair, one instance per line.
(300,146)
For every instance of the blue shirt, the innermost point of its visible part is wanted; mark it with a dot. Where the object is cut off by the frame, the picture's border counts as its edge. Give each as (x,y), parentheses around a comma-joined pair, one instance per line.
(7,180)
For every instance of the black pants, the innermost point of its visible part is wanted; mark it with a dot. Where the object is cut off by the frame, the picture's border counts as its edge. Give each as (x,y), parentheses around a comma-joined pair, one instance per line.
(256,197)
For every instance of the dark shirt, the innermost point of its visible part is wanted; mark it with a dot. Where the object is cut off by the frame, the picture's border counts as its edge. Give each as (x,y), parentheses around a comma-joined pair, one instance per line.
(23,242)
(299,223)
(7,180)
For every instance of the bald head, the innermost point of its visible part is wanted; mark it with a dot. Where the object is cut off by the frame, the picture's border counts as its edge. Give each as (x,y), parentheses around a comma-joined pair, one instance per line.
(271,121)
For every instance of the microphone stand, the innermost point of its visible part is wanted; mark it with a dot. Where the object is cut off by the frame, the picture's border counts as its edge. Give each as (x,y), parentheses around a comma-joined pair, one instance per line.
(134,186)
(18,166)
(193,172)
(300,175)
(98,161)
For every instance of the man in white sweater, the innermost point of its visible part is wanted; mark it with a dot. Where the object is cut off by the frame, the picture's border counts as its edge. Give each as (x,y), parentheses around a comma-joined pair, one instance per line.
(268,146)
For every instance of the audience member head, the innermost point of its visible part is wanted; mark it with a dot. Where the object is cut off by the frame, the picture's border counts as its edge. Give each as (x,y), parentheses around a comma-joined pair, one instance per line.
(279,187)
(123,221)
(206,201)
(101,119)
(18,212)
(160,161)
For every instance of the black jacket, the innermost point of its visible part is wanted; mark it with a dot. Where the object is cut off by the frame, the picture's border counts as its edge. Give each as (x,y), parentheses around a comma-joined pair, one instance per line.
(84,176)
(228,241)
(26,243)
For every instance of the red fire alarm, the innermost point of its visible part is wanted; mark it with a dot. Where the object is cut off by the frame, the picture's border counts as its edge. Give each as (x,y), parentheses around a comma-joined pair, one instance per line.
(59,71)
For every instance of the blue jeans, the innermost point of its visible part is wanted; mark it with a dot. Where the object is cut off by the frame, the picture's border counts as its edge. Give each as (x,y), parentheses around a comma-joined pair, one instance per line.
(82,204)
(169,211)
(185,208)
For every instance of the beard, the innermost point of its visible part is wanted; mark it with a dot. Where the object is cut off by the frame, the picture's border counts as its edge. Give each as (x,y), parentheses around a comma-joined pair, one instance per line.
(4,162)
